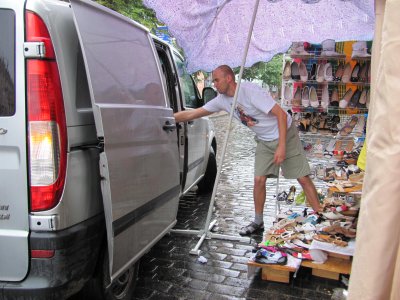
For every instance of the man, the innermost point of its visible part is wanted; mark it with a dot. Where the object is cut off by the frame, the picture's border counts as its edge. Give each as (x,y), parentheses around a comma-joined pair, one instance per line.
(278,143)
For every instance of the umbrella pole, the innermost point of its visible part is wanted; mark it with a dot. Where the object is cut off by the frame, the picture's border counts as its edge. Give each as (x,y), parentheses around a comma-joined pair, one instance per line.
(206,232)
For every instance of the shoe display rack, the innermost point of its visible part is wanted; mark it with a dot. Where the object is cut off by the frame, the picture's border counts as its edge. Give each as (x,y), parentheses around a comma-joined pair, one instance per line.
(321,79)
(327,92)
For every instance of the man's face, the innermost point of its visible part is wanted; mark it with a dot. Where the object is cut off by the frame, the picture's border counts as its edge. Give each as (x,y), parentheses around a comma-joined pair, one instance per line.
(220,81)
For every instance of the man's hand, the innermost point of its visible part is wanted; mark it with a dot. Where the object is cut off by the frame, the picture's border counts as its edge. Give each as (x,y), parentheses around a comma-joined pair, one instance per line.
(280,154)
(190,114)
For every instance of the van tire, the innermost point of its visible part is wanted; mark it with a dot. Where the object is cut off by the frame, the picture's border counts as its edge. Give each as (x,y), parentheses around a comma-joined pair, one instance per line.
(206,184)
(121,289)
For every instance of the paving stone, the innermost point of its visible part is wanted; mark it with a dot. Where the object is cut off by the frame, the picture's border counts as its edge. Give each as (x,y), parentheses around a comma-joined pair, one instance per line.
(208,277)
(226,290)
(239,267)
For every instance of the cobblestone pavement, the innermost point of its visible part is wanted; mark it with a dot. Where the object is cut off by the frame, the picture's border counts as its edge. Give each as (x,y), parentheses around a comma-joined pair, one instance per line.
(168,271)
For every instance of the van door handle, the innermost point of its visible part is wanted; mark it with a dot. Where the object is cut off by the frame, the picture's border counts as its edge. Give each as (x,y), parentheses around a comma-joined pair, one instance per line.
(3,131)
(168,126)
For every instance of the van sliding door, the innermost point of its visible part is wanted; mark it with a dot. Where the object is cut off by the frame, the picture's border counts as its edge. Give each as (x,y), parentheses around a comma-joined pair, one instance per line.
(139,165)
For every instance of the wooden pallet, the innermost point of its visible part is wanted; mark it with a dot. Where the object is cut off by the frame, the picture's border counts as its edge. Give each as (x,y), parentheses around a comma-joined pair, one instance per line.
(332,268)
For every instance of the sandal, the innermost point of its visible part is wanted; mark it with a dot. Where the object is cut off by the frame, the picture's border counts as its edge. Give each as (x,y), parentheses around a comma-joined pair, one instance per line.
(332,239)
(251,228)
(282,196)
(272,240)
(290,196)
(283,223)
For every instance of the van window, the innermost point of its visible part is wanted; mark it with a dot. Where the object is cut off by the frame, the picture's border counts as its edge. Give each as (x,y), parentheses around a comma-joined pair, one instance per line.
(7,64)
(121,62)
(187,84)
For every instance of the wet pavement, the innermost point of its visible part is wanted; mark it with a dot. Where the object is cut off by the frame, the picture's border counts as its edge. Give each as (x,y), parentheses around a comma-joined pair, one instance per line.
(168,271)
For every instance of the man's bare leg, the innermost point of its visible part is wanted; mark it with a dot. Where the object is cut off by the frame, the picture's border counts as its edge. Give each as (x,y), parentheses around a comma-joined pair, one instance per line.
(259,194)
(311,193)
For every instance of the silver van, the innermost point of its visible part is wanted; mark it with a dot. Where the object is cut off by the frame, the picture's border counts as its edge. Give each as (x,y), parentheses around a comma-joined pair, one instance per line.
(92,163)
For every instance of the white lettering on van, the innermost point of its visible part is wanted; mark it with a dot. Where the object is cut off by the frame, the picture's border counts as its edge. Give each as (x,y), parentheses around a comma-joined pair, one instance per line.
(4,207)
(4,216)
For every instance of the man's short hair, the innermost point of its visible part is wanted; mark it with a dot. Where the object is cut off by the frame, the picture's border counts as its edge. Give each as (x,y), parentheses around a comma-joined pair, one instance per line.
(227,70)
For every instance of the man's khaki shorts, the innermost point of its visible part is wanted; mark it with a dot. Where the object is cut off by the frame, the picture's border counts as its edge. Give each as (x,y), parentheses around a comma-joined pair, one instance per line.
(294,166)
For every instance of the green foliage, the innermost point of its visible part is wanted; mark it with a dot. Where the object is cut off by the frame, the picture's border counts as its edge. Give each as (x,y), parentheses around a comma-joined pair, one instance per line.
(135,10)
(268,72)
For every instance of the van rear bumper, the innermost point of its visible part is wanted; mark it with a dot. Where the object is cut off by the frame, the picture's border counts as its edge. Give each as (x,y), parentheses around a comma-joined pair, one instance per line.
(76,252)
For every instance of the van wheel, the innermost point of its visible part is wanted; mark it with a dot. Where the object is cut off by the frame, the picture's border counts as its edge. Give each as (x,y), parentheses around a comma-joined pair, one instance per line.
(121,289)
(206,184)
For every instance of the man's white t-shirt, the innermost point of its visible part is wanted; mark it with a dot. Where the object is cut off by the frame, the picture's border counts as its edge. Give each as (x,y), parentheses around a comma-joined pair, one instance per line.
(253,109)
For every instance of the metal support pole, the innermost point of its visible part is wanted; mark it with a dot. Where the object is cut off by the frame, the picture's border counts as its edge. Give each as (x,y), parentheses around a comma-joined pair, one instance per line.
(208,225)
(277,205)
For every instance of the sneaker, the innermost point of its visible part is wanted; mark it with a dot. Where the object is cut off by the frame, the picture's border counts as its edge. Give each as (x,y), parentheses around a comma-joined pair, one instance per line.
(251,228)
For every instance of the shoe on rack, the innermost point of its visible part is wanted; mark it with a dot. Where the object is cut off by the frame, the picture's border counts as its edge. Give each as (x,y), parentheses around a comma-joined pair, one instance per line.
(304,124)
(328,72)
(320,73)
(313,97)
(346,98)
(360,50)
(305,97)
(339,72)
(295,73)
(359,128)
(355,73)
(325,97)
(313,72)
(363,74)
(287,95)
(355,99)
(251,228)
(346,73)
(328,48)
(286,71)
(303,72)
(335,98)
(296,101)
(298,49)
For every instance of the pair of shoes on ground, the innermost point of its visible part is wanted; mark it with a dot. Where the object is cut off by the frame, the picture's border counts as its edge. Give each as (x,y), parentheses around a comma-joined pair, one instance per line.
(264,256)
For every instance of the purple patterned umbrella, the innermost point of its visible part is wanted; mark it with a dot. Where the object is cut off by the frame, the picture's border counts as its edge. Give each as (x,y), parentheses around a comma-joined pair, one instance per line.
(214,32)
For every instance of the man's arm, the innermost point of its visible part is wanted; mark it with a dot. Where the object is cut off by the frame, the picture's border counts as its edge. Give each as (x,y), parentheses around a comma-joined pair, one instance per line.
(280,153)
(190,114)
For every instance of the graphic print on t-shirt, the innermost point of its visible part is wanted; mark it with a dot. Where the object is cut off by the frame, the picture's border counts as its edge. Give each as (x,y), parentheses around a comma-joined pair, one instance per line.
(244,118)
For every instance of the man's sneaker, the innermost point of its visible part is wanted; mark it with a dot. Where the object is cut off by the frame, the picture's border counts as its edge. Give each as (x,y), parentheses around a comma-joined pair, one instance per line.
(251,228)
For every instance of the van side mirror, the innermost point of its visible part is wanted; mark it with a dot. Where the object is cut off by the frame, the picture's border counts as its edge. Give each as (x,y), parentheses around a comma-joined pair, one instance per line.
(208,94)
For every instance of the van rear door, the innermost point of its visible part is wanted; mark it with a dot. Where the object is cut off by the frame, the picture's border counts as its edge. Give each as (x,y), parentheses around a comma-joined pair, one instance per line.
(14,211)
(140,164)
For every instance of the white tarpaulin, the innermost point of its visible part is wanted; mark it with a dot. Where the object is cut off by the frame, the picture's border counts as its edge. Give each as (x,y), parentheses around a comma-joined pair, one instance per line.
(375,272)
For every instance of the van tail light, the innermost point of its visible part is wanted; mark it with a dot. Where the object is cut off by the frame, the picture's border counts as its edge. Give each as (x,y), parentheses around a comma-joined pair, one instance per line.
(42,253)
(47,133)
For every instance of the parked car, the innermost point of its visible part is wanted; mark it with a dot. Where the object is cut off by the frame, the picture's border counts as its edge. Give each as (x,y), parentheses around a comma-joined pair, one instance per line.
(92,163)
